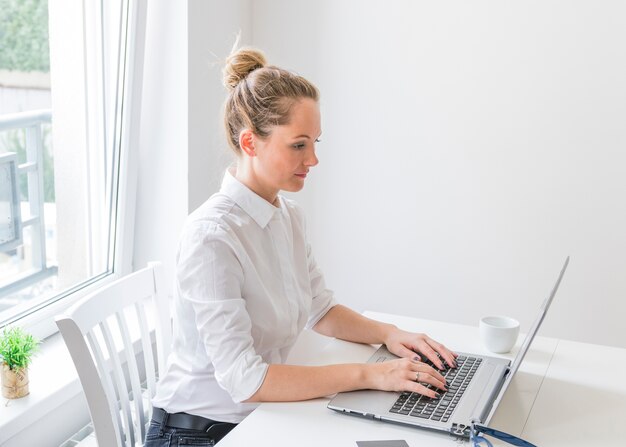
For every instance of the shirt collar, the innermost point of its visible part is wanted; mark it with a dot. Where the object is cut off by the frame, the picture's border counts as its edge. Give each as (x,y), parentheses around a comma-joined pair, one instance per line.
(254,205)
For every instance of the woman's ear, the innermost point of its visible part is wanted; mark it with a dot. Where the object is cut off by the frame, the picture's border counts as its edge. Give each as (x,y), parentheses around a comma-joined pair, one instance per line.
(246,142)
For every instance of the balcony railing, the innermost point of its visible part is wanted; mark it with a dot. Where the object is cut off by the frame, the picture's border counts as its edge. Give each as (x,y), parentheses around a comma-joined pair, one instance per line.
(12,222)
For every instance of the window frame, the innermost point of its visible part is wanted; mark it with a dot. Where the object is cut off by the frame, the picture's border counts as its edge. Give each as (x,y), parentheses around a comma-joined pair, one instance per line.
(40,319)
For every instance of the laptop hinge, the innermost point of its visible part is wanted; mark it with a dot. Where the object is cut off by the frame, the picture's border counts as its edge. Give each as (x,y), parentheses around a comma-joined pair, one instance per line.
(462,430)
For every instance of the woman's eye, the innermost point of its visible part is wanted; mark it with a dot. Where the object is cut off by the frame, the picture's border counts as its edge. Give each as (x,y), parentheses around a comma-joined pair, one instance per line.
(299,146)
(318,141)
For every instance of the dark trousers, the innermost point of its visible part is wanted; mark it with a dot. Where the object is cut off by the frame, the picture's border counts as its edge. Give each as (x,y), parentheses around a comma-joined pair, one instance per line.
(173,430)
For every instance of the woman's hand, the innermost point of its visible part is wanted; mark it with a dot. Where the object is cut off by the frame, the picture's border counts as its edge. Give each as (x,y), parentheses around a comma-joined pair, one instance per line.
(405,375)
(407,344)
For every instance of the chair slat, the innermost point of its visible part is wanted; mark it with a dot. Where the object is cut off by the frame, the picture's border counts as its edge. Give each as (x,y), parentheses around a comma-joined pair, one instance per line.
(120,383)
(146,344)
(133,374)
(163,322)
(105,378)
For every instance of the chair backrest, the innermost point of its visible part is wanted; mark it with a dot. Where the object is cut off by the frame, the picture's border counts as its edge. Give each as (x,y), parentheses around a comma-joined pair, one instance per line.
(105,332)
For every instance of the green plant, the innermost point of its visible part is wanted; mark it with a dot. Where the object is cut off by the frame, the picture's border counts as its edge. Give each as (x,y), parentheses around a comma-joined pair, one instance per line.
(17,348)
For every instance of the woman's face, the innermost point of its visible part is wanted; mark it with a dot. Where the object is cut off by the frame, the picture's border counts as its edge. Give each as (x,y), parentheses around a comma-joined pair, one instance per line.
(284,158)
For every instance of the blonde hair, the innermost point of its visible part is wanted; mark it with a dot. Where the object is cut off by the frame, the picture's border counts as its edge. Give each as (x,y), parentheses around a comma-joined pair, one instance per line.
(260,95)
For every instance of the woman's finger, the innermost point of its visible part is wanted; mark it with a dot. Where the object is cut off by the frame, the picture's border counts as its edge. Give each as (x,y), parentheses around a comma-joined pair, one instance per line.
(426,369)
(431,354)
(416,387)
(427,377)
(444,352)
(405,352)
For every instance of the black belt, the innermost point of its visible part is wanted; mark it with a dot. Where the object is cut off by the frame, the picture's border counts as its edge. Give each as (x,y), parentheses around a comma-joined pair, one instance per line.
(191,422)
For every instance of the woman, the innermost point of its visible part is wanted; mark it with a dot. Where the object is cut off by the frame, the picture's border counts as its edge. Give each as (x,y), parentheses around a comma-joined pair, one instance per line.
(247,283)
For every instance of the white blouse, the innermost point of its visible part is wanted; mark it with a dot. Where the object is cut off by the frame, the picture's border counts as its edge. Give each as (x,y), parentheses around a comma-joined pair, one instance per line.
(246,286)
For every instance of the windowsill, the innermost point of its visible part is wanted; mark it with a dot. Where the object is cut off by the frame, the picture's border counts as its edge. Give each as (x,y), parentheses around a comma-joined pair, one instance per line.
(53,381)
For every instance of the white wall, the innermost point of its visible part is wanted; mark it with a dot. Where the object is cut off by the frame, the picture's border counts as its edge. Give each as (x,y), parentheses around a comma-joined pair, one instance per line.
(213,27)
(467,148)
(162,183)
(182,152)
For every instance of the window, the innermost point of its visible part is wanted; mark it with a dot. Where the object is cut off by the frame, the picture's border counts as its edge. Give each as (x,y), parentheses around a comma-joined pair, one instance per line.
(67,73)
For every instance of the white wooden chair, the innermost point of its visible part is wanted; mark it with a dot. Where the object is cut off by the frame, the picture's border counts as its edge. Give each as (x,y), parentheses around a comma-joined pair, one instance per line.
(108,334)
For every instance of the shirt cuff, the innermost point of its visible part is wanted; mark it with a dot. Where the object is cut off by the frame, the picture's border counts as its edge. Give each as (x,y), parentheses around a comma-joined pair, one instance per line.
(244,377)
(319,313)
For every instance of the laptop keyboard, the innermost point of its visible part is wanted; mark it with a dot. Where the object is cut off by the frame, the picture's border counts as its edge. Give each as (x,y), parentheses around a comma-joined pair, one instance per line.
(440,409)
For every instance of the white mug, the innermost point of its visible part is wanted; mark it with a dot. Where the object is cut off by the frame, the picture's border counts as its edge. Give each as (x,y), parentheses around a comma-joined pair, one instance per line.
(498,333)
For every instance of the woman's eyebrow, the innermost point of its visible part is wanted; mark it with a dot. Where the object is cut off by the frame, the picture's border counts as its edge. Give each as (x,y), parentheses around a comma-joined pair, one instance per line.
(306,136)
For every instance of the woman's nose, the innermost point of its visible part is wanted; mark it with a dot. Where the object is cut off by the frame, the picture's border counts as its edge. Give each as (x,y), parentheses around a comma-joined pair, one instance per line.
(311,159)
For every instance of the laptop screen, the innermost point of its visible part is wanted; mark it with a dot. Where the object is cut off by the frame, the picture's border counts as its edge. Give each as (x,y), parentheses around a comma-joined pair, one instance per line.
(527,341)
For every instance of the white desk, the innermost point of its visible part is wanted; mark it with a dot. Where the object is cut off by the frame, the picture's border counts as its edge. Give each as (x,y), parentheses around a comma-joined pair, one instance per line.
(582,400)
(564,394)
(559,386)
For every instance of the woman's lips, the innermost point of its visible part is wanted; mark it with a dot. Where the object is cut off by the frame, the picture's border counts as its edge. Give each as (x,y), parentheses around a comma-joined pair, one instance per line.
(302,175)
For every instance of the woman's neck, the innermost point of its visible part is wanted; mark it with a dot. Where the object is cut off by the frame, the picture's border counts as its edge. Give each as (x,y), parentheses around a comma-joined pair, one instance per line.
(248,177)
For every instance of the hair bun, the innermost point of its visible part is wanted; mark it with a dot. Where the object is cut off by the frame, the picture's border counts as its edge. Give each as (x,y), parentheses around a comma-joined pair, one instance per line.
(241,63)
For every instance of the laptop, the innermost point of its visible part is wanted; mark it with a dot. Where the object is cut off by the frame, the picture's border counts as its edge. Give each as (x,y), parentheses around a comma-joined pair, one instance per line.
(475,389)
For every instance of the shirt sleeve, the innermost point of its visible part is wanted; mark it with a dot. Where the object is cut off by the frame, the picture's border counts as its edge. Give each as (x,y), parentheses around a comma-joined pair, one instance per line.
(210,277)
